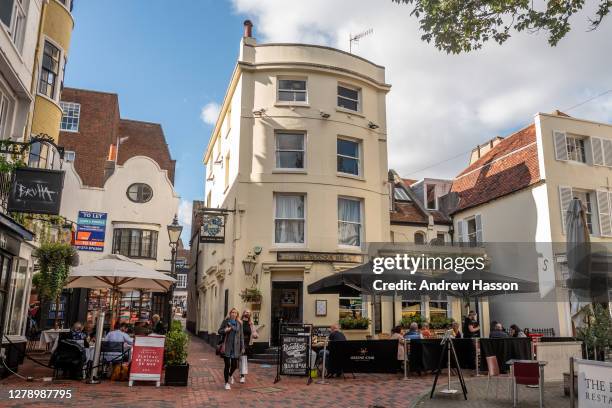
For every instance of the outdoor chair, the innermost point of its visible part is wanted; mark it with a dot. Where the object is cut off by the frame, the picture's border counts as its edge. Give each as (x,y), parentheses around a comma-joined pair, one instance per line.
(530,374)
(494,371)
(68,358)
(111,352)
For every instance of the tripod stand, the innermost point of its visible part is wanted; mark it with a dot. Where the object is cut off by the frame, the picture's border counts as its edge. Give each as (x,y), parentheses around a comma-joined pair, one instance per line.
(448,351)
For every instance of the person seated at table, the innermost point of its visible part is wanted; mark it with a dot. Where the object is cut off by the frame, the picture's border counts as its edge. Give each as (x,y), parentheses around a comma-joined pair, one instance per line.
(157,326)
(119,335)
(498,332)
(516,331)
(456,333)
(141,328)
(425,332)
(77,333)
(413,332)
(334,335)
(471,327)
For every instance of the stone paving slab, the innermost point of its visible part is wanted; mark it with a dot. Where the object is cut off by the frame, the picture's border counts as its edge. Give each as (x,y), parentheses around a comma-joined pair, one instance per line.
(206,389)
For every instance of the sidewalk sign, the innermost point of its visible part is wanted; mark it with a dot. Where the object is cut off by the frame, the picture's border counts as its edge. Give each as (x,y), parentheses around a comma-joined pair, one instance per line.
(147,359)
(594,383)
(294,350)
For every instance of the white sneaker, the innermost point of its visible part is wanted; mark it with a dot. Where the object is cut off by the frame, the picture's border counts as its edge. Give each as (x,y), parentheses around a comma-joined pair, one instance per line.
(227,386)
(231,379)
(242,380)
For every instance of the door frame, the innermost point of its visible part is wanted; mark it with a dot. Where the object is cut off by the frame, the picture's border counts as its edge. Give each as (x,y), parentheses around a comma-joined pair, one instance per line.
(300,288)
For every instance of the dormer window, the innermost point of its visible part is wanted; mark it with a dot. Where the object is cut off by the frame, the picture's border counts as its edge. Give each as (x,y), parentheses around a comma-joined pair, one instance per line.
(430,197)
(400,195)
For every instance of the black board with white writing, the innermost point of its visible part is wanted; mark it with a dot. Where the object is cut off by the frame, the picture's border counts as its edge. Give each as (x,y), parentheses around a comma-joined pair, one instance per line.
(37,191)
(295,349)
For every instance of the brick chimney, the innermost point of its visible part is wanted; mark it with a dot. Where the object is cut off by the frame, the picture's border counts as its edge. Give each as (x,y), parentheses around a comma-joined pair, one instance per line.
(248,29)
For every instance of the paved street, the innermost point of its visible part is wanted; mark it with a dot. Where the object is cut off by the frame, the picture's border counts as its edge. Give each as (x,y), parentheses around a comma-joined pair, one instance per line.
(206,389)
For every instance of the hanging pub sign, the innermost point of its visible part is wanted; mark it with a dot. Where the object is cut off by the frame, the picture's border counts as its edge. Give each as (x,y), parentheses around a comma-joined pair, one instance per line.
(36,191)
(213,228)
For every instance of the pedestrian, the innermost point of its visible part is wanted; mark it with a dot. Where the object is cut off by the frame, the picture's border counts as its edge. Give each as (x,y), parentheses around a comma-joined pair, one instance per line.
(396,333)
(232,345)
(250,333)
(516,331)
(157,325)
(471,327)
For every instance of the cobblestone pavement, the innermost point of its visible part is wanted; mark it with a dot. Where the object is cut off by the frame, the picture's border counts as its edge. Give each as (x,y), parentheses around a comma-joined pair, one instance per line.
(527,397)
(206,389)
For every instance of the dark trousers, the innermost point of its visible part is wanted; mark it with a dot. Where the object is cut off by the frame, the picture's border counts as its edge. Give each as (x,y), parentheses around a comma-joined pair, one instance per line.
(230,366)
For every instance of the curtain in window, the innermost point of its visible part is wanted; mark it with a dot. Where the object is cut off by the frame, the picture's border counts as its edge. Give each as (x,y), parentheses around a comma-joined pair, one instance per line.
(289,224)
(349,222)
(16,310)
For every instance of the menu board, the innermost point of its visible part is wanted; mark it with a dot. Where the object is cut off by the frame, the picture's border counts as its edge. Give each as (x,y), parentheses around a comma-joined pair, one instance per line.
(295,350)
(147,359)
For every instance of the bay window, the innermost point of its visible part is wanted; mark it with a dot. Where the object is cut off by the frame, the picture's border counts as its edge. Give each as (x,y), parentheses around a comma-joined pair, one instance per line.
(135,243)
(349,222)
(49,70)
(289,217)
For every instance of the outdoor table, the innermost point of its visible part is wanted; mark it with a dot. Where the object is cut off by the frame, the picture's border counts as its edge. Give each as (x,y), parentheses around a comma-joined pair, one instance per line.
(50,337)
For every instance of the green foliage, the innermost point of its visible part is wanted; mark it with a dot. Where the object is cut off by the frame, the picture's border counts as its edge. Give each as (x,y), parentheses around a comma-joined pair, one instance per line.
(354,323)
(250,295)
(417,318)
(440,322)
(7,166)
(457,26)
(177,342)
(54,260)
(598,331)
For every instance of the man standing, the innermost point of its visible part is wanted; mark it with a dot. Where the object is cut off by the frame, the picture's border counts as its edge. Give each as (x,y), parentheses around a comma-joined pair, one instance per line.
(471,327)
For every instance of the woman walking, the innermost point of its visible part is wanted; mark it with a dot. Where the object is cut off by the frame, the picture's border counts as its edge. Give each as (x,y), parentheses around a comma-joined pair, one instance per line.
(232,346)
(250,333)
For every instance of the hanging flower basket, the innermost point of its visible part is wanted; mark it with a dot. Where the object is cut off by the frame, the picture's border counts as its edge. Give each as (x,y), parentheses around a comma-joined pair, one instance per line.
(251,295)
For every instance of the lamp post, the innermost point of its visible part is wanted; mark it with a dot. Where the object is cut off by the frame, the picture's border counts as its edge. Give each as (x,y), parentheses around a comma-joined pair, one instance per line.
(174,234)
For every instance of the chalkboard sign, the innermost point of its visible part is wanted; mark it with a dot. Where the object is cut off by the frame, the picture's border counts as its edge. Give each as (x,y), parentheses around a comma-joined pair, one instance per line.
(295,350)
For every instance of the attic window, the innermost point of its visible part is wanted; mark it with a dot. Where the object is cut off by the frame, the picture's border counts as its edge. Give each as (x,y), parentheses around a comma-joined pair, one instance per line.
(400,194)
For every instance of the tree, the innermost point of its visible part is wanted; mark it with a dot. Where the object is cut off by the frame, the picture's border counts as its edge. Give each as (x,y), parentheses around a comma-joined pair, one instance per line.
(54,260)
(457,26)
(597,335)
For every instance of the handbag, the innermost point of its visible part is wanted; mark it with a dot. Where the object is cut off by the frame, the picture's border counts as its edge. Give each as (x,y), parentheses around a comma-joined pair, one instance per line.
(220,349)
(244,365)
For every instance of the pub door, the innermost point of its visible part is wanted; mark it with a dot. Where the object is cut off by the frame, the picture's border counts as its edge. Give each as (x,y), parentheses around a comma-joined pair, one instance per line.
(286,304)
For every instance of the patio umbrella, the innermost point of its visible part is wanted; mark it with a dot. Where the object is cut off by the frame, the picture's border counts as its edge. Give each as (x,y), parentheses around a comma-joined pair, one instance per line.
(578,252)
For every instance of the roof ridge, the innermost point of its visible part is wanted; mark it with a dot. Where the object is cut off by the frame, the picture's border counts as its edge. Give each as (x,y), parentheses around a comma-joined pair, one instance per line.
(496,160)
(89,90)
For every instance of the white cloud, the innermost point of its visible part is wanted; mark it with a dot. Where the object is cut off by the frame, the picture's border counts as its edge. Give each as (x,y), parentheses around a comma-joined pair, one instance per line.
(441,105)
(184,217)
(210,112)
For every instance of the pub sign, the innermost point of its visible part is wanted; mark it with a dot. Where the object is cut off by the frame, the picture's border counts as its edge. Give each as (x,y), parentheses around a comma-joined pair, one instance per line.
(213,228)
(36,191)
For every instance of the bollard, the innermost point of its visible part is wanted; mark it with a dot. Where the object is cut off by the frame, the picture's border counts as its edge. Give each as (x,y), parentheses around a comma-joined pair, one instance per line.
(571,383)
(477,353)
(406,343)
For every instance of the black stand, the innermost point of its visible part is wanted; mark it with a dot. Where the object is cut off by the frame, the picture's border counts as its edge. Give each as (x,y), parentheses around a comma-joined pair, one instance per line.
(448,351)
(278,356)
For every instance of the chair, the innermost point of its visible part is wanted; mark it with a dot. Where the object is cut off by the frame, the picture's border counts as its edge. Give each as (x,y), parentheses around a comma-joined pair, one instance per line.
(111,352)
(68,358)
(528,373)
(494,371)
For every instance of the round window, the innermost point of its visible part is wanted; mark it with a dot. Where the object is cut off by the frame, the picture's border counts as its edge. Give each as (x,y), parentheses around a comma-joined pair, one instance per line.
(140,192)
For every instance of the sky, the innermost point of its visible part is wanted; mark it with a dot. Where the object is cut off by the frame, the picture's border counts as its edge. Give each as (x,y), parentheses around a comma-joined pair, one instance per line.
(171,65)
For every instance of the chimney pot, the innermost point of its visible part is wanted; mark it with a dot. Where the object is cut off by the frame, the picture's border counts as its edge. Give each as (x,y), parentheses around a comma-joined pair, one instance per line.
(248,29)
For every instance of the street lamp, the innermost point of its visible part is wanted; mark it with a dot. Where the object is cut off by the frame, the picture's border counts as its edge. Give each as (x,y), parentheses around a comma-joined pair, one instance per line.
(174,234)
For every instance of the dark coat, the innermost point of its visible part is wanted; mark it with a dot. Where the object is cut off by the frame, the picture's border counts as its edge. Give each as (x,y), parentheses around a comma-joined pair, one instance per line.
(233,341)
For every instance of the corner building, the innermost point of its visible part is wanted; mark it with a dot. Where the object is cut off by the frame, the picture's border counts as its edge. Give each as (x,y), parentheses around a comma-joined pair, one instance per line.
(299,155)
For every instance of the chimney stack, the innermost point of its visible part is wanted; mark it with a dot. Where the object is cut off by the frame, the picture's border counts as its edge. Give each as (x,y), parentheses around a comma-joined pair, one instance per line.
(248,29)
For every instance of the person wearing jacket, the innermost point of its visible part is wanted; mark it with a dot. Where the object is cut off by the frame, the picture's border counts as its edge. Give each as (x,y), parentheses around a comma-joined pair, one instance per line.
(232,345)
(250,333)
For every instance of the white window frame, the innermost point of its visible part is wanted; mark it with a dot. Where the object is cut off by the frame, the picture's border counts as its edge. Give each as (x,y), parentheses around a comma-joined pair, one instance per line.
(364,305)
(289,244)
(358,158)
(400,195)
(75,106)
(7,106)
(352,88)
(60,71)
(573,142)
(291,78)
(593,212)
(181,281)
(465,234)
(360,223)
(277,150)
(69,155)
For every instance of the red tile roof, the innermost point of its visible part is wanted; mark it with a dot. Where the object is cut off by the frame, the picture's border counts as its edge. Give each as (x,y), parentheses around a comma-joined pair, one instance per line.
(510,166)
(408,212)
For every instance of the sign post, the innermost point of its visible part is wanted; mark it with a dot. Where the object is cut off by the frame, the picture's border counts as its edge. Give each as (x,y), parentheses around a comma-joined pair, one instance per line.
(147,359)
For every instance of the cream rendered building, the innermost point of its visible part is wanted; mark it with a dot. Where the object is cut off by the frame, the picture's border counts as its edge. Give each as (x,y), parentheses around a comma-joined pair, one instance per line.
(299,157)
(517,193)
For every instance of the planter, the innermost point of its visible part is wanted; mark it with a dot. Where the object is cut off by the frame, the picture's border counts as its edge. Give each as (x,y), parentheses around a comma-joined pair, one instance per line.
(256,305)
(177,375)
(356,334)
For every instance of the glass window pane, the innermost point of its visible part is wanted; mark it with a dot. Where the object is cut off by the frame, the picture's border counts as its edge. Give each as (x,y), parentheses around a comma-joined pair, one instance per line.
(289,206)
(348,148)
(300,96)
(348,104)
(285,96)
(134,243)
(289,231)
(6,11)
(349,166)
(348,93)
(146,244)
(289,141)
(349,210)
(292,84)
(290,160)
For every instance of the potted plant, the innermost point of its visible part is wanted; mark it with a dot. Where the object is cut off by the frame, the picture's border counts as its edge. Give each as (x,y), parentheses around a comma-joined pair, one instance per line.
(175,355)
(354,323)
(415,318)
(251,295)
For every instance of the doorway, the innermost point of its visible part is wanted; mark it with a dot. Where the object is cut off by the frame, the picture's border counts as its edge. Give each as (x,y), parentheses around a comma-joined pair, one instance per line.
(286,304)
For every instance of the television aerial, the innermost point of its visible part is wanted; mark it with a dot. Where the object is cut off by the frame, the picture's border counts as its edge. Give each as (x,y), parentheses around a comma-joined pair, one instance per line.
(355,38)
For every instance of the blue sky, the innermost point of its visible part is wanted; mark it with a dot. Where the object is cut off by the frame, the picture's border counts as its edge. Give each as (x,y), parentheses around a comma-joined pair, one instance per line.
(165,63)
(167,60)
